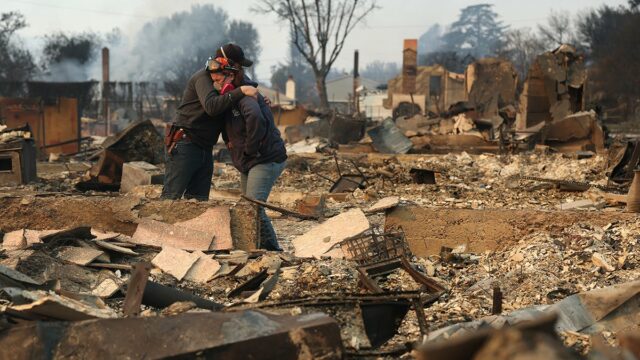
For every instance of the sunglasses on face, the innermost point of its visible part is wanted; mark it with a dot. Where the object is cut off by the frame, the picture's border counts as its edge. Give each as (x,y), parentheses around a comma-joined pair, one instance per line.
(219,64)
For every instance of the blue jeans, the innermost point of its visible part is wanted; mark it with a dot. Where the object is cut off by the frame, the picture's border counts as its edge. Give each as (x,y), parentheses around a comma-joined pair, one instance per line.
(257,184)
(188,172)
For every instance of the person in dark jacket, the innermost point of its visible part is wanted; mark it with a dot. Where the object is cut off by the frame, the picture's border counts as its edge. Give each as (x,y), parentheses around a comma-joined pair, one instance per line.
(197,127)
(256,147)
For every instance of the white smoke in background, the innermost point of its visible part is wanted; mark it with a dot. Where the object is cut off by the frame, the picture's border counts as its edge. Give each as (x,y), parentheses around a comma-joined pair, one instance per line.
(165,49)
(67,71)
(169,48)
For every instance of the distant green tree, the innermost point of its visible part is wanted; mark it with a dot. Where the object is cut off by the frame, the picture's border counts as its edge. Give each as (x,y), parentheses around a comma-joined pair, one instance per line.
(450,60)
(66,57)
(16,63)
(60,47)
(610,35)
(477,32)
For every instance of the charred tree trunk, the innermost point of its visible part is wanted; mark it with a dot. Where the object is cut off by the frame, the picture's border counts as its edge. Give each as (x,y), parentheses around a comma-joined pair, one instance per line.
(322,90)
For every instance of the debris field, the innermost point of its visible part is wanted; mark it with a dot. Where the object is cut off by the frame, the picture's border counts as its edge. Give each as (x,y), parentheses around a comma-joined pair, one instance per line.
(485,226)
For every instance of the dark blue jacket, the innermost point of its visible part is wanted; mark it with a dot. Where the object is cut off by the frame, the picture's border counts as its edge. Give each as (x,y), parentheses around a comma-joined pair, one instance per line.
(251,134)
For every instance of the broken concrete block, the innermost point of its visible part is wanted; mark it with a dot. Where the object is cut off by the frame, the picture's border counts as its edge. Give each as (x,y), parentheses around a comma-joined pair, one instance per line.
(103,236)
(139,173)
(384,204)
(320,239)
(15,240)
(216,222)
(106,288)
(580,204)
(599,261)
(311,205)
(113,247)
(174,262)
(78,255)
(33,236)
(271,262)
(204,268)
(215,335)
(156,233)
(57,307)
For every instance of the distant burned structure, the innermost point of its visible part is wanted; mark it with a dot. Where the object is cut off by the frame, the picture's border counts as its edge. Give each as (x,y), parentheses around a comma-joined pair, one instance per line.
(491,85)
(60,114)
(52,110)
(554,87)
(431,89)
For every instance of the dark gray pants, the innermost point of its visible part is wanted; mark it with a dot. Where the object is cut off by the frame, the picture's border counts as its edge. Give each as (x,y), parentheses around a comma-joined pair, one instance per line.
(188,172)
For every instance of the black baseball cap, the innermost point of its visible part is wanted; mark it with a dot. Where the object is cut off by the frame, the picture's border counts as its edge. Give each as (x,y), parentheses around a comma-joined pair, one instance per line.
(234,53)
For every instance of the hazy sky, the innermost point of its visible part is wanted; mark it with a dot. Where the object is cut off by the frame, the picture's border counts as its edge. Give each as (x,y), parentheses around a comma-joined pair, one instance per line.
(379,38)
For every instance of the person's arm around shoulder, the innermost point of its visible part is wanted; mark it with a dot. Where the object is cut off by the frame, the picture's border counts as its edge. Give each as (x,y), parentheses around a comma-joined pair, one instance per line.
(215,104)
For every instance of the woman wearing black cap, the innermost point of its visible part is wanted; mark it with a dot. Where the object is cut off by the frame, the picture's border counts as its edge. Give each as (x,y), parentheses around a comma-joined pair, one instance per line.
(254,141)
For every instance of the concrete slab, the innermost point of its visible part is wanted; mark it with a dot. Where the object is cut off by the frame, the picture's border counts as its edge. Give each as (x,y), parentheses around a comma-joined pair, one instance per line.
(204,268)
(175,262)
(215,222)
(156,233)
(78,255)
(320,239)
(139,173)
(14,240)
(384,204)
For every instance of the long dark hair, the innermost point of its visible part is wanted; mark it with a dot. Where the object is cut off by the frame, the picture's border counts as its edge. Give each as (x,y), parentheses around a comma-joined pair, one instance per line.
(239,78)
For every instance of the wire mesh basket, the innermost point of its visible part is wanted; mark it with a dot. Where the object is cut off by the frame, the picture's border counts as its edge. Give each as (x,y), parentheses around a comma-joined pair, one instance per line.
(374,246)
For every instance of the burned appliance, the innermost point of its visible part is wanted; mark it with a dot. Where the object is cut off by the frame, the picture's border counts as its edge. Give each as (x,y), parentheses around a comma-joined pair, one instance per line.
(17,157)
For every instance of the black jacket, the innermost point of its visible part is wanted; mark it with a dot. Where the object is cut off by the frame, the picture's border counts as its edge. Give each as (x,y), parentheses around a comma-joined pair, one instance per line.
(251,134)
(200,111)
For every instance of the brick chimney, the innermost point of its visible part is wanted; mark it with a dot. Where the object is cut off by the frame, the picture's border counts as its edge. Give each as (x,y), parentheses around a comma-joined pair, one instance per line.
(409,66)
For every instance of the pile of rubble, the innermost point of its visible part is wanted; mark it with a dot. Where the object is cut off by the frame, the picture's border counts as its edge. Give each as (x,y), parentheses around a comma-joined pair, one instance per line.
(416,254)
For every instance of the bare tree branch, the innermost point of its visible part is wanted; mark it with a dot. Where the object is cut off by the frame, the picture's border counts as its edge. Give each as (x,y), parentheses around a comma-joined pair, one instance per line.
(320,29)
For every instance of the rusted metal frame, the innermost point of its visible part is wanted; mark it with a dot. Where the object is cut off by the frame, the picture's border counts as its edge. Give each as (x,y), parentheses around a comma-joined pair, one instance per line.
(401,262)
(392,352)
(324,177)
(135,289)
(381,267)
(368,283)
(281,210)
(66,142)
(335,299)
(419,277)
(364,177)
(418,307)
(380,248)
